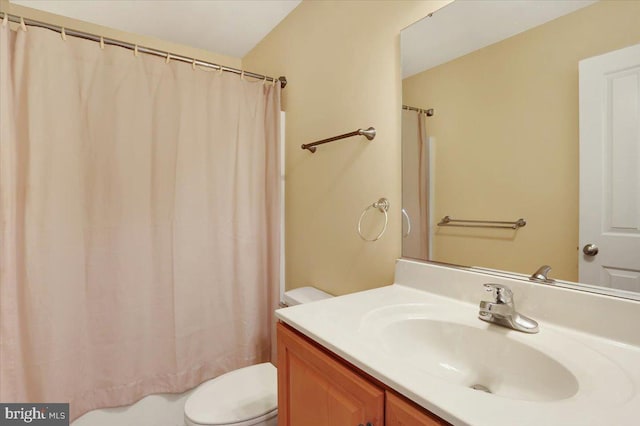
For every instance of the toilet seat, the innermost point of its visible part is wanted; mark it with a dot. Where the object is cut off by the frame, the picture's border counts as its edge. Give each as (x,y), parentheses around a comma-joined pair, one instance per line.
(240,398)
(250,422)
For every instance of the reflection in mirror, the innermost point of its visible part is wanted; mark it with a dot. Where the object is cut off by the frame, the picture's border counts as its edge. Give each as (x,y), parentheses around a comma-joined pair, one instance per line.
(536,115)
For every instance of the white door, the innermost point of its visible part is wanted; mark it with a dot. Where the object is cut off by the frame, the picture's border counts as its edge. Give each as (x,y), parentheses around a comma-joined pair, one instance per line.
(610,170)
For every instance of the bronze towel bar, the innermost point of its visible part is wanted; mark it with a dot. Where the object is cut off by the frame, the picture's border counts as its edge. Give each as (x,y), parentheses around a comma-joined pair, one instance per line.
(448,221)
(369,133)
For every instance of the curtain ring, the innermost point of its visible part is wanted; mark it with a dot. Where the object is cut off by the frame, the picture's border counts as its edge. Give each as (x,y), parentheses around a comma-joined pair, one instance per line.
(168,58)
(220,70)
(63,34)
(264,82)
(102,42)
(5,20)
(383,205)
(22,24)
(135,50)
(193,64)
(242,75)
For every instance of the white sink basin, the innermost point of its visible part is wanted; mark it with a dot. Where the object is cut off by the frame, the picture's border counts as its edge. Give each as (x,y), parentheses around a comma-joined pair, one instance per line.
(482,359)
(464,351)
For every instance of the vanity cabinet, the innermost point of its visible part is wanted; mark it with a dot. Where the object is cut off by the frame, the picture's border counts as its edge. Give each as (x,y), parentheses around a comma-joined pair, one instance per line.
(316,388)
(400,412)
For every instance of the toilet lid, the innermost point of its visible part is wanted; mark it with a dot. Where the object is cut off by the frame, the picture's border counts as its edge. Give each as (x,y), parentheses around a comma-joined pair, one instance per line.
(237,396)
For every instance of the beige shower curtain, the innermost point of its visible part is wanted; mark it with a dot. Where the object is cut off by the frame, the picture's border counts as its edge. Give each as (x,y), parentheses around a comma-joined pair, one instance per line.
(140,223)
(415,185)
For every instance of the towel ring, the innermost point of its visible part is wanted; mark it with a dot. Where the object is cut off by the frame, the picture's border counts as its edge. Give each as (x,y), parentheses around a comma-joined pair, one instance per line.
(383,205)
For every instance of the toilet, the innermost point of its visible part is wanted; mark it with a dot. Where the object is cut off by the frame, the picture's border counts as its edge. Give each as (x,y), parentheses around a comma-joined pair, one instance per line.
(247,396)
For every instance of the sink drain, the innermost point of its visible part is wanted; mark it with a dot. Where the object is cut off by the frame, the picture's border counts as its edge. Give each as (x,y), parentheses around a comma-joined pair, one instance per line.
(480,388)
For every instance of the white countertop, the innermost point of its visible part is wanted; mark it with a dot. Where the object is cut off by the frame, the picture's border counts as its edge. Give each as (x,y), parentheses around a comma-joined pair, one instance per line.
(608,371)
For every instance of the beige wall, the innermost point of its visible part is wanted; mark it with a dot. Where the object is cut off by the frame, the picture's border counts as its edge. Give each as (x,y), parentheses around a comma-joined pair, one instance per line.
(341,59)
(507,135)
(180,49)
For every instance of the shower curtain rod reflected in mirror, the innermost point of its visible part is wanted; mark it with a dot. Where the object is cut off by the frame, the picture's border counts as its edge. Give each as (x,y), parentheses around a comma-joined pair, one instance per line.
(429,112)
(136,48)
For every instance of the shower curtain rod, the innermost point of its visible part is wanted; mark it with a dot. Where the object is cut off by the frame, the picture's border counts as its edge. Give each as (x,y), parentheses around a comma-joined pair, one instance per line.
(429,111)
(131,46)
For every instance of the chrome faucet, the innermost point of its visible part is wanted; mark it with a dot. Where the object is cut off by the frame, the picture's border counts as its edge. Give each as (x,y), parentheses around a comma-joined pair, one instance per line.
(541,274)
(502,310)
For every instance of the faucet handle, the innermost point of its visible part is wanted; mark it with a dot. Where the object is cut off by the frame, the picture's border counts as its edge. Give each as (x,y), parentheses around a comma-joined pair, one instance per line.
(501,293)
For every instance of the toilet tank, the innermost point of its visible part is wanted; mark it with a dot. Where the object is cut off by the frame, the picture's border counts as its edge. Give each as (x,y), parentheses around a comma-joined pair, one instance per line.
(301,295)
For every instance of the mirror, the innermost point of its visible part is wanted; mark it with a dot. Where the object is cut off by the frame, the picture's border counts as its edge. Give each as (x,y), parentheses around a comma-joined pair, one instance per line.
(514,131)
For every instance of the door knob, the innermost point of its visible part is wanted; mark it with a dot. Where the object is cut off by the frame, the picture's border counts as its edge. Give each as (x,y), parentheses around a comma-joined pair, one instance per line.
(590,249)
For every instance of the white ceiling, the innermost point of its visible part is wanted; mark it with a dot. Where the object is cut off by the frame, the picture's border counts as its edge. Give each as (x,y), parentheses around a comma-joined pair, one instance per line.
(467,25)
(228,27)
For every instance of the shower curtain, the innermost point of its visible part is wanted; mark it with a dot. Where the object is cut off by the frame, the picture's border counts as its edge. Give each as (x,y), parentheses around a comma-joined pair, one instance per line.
(140,222)
(415,185)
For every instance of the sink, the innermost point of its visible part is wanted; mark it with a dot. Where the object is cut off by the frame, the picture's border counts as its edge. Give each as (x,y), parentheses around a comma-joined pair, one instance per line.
(435,351)
(481,359)
(480,356)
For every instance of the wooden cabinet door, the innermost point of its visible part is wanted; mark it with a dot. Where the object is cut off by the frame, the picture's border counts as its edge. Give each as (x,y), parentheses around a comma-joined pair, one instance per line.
(400,412)
(315,389)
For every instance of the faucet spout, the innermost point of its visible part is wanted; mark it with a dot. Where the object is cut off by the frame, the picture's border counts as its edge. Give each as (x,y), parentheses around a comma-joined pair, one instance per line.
(541,273)
(502,310)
